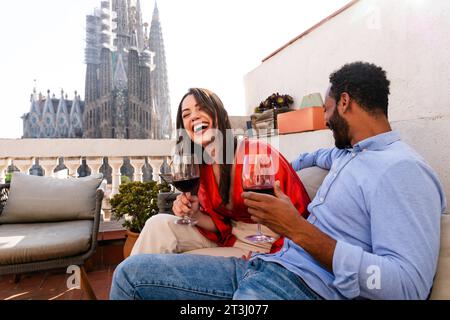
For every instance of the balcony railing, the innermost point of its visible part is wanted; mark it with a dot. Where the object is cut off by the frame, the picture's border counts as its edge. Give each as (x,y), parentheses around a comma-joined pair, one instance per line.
(24,154)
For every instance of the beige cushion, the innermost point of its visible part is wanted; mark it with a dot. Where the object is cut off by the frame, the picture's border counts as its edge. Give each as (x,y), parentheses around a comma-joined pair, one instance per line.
(441,286)
(312,179)
(23,243)
(45,199)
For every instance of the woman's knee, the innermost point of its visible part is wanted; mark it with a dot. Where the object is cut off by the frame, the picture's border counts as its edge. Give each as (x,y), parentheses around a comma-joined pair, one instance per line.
(159,221)
(157,224)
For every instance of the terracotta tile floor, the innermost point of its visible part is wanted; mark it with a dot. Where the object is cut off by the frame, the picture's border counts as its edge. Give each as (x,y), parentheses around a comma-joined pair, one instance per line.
(51,285)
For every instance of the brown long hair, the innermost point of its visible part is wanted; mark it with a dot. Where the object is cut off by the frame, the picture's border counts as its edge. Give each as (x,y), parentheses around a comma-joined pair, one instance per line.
(210,103)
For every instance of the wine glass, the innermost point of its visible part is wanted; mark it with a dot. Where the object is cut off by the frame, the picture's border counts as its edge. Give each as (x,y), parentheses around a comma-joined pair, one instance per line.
(186,178)
(258,175)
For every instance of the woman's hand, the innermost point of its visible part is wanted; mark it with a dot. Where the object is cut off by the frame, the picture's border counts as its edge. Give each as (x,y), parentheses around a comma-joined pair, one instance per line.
(186,205)
(189,205)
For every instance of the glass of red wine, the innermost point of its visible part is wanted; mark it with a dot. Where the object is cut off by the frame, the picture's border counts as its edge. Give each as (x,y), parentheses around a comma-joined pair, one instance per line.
(258,175)
(186,178)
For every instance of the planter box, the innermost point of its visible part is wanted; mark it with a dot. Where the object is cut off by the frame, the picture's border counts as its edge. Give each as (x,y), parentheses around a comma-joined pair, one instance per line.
(268,119)
(306,119)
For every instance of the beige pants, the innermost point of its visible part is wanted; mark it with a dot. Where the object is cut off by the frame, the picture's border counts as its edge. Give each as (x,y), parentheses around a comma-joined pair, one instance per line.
(162,235)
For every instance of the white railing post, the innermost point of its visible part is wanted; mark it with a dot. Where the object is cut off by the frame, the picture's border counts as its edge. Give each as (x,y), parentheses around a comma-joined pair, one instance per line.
(116,164)
(49,164)
(24,164)
(73,163)
(94,163)
(156,164)
(137,163)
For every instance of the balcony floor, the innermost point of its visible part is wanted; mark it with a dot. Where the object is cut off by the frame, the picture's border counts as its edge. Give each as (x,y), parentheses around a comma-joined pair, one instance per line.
(51,285)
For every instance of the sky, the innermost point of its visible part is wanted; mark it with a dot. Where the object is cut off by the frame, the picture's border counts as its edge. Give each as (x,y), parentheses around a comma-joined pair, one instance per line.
(209,43)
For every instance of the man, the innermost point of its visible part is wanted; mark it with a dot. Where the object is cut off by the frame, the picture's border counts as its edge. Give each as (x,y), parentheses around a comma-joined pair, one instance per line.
(373,230)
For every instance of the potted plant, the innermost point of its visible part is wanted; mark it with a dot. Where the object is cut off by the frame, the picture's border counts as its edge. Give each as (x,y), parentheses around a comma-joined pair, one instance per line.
(276,101)
(265,116)
(8,177)
(135,203)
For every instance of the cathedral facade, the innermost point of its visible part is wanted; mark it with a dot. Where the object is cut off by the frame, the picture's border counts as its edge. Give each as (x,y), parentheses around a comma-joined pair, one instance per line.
(126,87)
(50,117)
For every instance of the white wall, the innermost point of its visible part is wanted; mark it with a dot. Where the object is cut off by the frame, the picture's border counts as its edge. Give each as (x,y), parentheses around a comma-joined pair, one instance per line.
(409,38)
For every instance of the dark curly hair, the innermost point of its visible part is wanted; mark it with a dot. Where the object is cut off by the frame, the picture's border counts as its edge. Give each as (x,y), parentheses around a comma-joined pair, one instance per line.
(365,82)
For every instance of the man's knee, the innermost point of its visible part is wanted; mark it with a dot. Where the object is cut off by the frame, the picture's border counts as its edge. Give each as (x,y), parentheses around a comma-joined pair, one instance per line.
(122,287)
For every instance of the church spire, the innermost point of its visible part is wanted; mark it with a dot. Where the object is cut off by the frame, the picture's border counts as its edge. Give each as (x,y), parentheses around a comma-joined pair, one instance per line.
(159,78)
(140,25)
(49,118)
(34,108)
(62,118)
(76,122)
(48,107)
(121,7)
(155,13)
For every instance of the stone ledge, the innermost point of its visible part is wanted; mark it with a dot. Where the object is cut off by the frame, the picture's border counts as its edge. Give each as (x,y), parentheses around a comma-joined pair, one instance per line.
(111,230)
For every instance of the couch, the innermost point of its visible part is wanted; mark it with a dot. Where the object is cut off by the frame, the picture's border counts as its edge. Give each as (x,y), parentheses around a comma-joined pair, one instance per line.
(48,223)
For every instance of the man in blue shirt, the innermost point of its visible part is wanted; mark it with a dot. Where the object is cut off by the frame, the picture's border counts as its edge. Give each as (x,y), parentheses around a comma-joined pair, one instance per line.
(373,231)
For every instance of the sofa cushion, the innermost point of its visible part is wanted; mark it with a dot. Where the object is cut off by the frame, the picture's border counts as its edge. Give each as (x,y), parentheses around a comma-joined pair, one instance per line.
(25,243)
(45,199)
(441,285)
(312,179)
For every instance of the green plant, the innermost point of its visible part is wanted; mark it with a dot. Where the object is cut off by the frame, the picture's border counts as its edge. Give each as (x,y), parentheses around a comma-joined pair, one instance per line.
(125,179)
(275,101)
(8,178)
(137,202)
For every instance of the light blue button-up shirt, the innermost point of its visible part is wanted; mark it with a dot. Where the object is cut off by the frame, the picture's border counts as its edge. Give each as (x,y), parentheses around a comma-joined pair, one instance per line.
(382,203)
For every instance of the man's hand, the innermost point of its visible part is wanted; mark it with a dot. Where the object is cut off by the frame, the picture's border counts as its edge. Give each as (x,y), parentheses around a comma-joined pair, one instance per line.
(277,213)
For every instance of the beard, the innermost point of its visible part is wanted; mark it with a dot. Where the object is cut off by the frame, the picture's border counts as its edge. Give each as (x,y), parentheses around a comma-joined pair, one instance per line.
(340,129)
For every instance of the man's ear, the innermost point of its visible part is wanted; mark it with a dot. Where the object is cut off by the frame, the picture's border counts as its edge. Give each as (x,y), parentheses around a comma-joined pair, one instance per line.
(345,102)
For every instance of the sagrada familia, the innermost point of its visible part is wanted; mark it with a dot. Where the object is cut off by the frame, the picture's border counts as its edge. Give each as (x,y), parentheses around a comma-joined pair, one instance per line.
(126,88)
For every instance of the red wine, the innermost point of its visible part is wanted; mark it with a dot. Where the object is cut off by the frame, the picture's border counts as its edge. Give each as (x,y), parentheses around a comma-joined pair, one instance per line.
(187,185)
(261,189)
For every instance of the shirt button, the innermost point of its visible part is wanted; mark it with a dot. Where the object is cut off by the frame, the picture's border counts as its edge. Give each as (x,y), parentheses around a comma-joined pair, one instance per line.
(353,154)
(322,199)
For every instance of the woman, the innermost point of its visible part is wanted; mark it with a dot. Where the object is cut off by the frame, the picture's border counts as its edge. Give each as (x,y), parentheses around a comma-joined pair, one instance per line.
(222,217)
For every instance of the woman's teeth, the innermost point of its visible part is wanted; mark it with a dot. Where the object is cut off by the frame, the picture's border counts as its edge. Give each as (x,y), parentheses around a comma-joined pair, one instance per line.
(199,127)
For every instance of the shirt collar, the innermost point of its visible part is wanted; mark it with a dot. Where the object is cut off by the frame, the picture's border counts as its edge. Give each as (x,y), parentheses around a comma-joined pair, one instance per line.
(377,142)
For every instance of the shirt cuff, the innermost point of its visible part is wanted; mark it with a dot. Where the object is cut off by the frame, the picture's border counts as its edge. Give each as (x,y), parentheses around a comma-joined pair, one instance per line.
(346,266)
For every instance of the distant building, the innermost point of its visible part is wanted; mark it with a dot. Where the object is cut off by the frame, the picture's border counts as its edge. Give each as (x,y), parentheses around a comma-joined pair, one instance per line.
(126,80)
(126,87)
(50,117)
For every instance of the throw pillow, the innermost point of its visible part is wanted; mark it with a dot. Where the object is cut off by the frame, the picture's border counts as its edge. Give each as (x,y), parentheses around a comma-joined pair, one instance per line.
(45,199)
